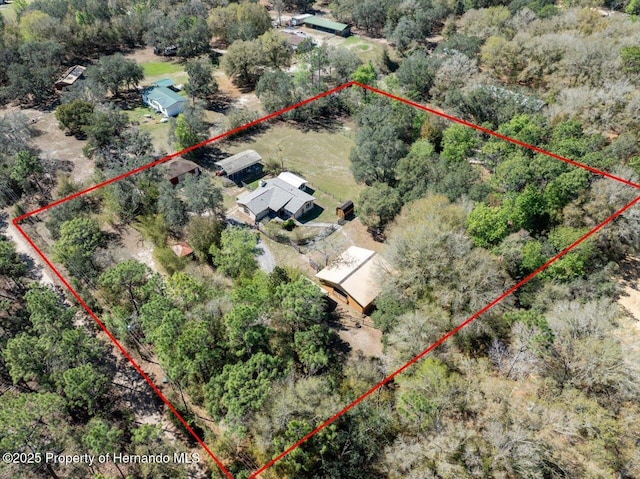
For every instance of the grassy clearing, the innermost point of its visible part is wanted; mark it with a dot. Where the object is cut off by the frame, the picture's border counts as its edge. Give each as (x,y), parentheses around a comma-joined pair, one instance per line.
(159,135)
(367,50)
(155,68)
(321,157)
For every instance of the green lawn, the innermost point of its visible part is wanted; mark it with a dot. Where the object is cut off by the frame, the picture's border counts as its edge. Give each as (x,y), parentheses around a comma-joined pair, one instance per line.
(159,131)
(367,50)
(321,157)
(158,68)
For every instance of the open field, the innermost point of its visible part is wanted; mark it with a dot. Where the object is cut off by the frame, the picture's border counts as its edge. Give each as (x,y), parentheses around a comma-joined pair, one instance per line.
(366,49)
(159,131)
(158,68)
(321,157)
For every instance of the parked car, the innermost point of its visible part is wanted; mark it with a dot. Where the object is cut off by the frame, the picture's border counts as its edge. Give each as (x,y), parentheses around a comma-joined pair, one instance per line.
(168,51)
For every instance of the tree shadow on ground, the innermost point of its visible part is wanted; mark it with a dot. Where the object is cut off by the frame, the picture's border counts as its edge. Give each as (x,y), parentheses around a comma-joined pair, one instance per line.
(128,100)
(221,103)
(249,133)
(630,271)
(312,215)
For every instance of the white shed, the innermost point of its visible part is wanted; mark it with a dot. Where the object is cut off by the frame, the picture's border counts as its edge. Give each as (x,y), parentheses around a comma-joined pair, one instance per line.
(293,180)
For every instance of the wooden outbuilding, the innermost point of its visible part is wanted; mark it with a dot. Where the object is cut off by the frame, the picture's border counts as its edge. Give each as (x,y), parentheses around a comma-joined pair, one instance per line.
(72,75)
(182,249)
(345,210)
(178,169)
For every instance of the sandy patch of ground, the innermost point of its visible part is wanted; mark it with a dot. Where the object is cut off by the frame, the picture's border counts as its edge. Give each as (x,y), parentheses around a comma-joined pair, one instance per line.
(629,330)
(139,249)
(143,55)
(365,339)
(225,85)
(238,99)
(358,235)
(56,146)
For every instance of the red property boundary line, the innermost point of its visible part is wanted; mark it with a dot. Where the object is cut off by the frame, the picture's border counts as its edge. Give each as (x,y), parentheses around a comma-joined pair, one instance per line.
(389,378)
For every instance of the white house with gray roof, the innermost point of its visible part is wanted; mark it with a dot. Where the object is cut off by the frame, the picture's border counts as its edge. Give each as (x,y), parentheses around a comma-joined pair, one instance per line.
(275,197)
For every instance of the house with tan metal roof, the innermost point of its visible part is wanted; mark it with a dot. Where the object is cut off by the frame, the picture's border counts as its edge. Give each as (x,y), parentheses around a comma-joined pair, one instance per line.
(355,278)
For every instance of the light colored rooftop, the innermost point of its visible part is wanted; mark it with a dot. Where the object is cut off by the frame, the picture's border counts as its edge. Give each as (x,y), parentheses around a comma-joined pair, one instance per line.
(358,272)
(239,161)
(166,82)
(72,74)
(294,180)
(275,194)
(182,249)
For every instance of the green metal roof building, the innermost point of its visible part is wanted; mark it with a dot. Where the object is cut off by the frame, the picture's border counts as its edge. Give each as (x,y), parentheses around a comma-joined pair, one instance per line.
(164,100)
(324,25)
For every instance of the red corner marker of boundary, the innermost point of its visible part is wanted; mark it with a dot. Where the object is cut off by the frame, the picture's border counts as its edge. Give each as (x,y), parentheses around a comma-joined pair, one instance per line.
(122,350)
(389,378)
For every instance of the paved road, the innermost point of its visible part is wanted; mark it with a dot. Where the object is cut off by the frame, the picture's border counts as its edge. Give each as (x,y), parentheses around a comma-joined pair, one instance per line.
(266,260)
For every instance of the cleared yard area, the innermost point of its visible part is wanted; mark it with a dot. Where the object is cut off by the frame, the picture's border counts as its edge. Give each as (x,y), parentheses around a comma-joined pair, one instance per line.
(319,156)
(366,49)
(159,131)
(158,68)
(155,67)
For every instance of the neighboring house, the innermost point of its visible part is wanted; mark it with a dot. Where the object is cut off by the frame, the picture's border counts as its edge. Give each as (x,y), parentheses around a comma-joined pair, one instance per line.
(163,98)
(276,197)
(294,180)
(328,26)
(240,165)
(73,74)
(179,168)
(355,278)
